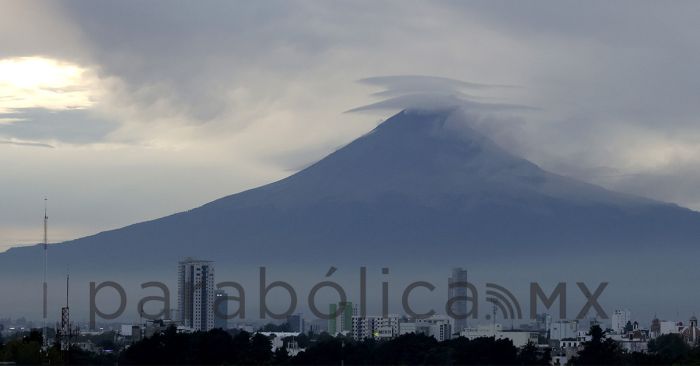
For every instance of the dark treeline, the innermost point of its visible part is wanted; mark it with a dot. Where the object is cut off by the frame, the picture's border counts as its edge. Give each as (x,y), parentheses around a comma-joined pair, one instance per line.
(220,347)
(26,350)
(419,349)
(215,347)
(669,349)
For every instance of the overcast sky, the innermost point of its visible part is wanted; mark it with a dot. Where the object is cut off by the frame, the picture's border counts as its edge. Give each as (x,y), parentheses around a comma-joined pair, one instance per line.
(125,111)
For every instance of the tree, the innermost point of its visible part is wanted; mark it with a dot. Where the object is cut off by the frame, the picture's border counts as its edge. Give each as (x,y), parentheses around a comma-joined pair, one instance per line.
(240,348)
(54,356)
(2,348)
(671,348)
(214,347)
(693,357)
(34,336)
(272,327)
(26,351)
(408,349)
(260,349)
(482,351)
(530,355)
(281,356)
(599,350)
(327,351)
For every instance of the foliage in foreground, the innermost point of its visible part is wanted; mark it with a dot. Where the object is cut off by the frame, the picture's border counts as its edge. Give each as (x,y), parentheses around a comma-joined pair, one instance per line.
(219,347)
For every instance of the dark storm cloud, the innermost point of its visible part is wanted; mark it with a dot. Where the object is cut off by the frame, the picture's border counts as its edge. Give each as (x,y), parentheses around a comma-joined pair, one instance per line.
(192,54)
(639,59)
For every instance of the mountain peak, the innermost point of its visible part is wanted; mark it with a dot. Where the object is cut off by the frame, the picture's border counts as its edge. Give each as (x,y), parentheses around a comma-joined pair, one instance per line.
(419,177)
(428,157)
(446,124)
(415,152)
(421,189)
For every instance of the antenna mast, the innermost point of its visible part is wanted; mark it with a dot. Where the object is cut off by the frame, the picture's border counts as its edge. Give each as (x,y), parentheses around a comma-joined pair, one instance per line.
(66,326)
(45,287)
(67,284)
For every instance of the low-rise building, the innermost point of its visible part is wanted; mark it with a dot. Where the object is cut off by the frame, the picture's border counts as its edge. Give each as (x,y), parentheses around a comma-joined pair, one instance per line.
(376,327)
(562,329)
(691,333)
(436,326)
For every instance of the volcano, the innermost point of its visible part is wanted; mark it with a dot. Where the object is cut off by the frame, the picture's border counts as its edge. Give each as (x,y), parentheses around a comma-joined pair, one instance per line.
(422,187)
(419,180)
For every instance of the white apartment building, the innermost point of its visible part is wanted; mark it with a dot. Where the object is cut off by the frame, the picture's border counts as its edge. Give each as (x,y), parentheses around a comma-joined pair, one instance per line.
(375,327)
(196,295)
(669,327)
(619,320)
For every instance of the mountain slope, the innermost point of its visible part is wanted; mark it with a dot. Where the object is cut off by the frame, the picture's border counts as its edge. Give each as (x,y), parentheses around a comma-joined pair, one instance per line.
(420,185)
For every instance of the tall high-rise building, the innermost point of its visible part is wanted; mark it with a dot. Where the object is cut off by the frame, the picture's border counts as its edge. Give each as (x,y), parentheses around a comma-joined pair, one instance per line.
(196,297)
(221,306)
(342,321)
(457,288)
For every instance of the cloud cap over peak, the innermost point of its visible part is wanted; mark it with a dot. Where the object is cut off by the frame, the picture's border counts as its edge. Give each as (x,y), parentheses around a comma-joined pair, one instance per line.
(432,92)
